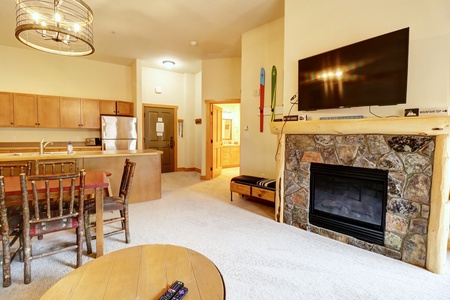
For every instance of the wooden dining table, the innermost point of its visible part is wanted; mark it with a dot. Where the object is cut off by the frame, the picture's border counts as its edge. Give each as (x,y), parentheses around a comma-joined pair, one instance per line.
(95,183)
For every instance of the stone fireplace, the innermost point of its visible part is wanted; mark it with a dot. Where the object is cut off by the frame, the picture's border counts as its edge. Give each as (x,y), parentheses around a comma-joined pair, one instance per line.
(413,226)
(408,160)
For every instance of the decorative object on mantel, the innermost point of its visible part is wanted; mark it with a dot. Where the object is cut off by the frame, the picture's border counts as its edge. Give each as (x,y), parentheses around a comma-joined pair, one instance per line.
(342,117)
(290,118)
(294,118)
(436,111)
(56,26)
(411,112)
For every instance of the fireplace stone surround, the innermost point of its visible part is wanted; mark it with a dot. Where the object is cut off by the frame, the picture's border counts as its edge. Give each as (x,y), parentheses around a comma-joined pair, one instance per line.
(414,151)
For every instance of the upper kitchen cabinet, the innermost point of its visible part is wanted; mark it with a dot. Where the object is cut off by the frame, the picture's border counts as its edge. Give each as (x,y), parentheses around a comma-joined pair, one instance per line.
(36,111)
(79,113)
(119,108)
(48,111)
(124,108)
(90,113)
(7,109)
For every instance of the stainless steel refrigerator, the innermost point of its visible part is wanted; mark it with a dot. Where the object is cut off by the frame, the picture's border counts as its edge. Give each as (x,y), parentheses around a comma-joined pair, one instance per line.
(119,133)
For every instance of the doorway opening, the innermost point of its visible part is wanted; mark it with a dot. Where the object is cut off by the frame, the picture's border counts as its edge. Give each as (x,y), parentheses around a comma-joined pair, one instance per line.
(222,136)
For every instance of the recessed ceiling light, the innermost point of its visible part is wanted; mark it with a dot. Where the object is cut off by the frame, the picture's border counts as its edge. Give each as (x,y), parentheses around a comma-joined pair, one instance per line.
(169,64)
(193,43)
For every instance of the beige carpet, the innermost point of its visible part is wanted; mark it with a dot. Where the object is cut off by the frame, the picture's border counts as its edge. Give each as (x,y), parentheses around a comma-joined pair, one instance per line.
(258,258)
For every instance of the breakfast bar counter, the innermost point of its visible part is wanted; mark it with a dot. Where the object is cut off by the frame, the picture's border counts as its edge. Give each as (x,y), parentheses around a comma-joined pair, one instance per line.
(147,177)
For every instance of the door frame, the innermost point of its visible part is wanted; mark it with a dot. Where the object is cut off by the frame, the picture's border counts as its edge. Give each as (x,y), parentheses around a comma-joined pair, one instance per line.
(175,128)
(209,131)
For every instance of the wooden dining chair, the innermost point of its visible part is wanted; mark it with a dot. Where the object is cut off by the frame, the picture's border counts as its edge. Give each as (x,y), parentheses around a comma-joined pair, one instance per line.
(10,218)
(112,203)
(55,167)
(14,169)
(41,217)
(10,232)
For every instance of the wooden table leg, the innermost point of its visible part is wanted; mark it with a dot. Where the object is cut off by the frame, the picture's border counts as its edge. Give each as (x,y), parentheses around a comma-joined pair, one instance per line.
(99,221)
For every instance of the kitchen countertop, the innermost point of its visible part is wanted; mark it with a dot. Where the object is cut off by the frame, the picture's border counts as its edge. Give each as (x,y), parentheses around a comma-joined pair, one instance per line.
(58,155)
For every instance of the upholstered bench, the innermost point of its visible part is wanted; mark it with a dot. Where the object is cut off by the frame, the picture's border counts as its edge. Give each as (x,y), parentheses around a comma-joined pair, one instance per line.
(252,186)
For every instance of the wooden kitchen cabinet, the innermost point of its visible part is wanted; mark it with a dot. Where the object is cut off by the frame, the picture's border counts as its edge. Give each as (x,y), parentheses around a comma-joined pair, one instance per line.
(90,113)
(107,107)
(25,110)
(119,108)
(124,108)
(36,111)
(48,111)
(80,113)
(7,109)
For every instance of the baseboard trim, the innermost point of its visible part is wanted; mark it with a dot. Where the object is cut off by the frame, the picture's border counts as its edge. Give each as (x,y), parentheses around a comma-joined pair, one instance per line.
(188,170)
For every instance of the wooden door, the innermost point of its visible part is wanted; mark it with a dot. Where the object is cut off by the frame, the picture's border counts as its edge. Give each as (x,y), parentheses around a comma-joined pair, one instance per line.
(7,109)
(70,112)
(48,111)
(90,113)
(25,110)
(216,141)
(159,134)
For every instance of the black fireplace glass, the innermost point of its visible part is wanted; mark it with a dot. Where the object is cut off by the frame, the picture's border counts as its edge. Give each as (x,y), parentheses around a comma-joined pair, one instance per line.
(349,200)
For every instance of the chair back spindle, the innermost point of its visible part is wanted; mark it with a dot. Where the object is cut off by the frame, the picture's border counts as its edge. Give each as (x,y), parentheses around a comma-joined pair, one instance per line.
(55,167)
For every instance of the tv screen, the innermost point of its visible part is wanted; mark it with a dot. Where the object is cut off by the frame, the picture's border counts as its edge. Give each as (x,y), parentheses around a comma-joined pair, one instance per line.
(370,72)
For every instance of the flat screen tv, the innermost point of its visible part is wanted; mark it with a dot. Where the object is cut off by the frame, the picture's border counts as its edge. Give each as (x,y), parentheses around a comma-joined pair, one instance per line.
(366,73)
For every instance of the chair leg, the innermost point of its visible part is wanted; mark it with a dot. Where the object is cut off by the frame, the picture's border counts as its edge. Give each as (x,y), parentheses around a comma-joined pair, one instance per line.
(87,233)
(6,260)
(126,225)
(27,260)
(79,245)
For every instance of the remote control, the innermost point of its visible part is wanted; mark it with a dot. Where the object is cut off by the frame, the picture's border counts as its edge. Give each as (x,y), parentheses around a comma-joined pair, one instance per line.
(172,290)
(181,293)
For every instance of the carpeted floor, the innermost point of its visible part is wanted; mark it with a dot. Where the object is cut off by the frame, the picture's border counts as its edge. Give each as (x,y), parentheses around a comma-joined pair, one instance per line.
(258,258)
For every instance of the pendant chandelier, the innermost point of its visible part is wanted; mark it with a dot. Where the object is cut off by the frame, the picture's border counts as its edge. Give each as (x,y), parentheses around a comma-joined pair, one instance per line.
(63,27)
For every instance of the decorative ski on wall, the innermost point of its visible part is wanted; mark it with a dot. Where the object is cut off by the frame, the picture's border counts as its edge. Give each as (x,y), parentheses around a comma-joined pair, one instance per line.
(262,82)
(274,93)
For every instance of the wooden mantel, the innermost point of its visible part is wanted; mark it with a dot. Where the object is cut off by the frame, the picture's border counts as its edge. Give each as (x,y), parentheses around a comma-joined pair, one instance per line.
(439,126)
(405,126)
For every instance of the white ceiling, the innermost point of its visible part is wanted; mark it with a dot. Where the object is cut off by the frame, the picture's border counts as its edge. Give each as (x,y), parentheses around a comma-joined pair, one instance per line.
(154,30)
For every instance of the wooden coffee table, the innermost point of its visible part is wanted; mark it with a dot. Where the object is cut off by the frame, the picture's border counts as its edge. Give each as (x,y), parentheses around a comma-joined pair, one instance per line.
(141,272)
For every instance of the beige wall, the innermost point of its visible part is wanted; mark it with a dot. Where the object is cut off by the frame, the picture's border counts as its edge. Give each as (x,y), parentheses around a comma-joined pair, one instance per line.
(261,47)
(221,78)
(198,145)
(313,27)
(32,71)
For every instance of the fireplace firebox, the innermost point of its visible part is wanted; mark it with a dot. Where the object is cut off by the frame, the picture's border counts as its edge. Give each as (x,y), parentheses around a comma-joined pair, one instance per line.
(349,200)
